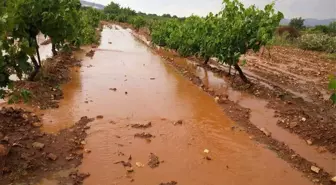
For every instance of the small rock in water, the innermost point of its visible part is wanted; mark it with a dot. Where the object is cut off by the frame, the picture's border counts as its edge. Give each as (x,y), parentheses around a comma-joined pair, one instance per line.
(207,158)
(126,92)
(179,122)
(139,164)
(266,132)
(217,99)
(206,151)
(322,149)
(113,89)
(144,135)
(149,124)
(309,142)
(38,145)
(87,151)
(333,179)
(152,78)
(129,169)
(315,169)
(52,156)
(100,117)
(169,183)
(37,124)
(153,161)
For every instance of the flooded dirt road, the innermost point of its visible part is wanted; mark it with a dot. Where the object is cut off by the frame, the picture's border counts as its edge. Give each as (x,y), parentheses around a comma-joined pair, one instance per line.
(203,150)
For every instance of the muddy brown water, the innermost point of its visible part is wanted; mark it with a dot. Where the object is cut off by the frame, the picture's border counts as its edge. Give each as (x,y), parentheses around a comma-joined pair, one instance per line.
(130,67)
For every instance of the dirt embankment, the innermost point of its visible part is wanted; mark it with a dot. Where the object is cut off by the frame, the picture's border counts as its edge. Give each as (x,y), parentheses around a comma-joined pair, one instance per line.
(28,155)
(311,120)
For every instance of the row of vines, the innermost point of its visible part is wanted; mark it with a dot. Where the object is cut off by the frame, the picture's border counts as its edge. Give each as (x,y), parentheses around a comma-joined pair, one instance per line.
(21,21)
(227,35)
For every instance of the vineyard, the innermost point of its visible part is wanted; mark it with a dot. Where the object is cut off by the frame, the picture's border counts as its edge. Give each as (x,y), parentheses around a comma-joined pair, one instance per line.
(224,93)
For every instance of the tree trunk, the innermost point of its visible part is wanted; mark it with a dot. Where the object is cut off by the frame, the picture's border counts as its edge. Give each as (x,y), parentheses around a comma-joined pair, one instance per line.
(53,49)
(230,69)
(37,53)
(36,68)
(241,74)
(207,59)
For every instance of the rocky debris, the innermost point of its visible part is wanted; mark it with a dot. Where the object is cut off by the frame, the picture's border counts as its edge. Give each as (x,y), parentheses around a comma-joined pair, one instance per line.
(178,122)
(83,142)
(153,161)
(129,169)
(142,126)
(206,151)
(37,124)
(38,145)
(139,164)
(100,117)
(315,169)
(152,78)
(78,178)
(221,99)
(125,164)
(293,125)
(309,142)
(266,132)
(52,157)
(113,89)
(322,149)
(333,179)
(169,183)
(208,158)
(87,150)
(144,135)
(90,53)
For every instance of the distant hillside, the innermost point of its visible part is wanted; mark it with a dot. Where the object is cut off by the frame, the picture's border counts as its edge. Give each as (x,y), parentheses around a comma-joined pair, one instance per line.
(310,22)
(91,4)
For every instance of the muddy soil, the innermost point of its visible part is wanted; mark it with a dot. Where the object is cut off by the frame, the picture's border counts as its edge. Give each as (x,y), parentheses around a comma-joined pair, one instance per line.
(311,120)
(46,89)
(31,155)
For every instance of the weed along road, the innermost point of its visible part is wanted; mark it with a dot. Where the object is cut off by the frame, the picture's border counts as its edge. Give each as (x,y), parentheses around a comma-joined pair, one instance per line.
(154,126)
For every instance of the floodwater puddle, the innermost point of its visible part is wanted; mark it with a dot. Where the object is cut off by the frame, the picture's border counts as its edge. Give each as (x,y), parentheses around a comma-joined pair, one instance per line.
(127,84)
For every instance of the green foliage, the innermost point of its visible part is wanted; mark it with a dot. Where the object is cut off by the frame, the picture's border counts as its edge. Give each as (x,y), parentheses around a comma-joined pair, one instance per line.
(297,23)
(332,87)
(138,22)
(24,95)
(226,35)
(318,42)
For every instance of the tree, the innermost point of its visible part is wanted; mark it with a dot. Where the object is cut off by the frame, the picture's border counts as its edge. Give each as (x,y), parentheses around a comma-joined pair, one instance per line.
(297,23)
(138,22)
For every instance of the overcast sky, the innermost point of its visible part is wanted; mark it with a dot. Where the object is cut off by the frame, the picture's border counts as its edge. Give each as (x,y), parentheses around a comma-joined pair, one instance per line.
(320,9)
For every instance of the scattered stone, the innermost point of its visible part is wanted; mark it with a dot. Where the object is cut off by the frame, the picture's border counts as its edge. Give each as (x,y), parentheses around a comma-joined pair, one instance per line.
(100,117)
(139,164)
(126,92)
(293,124)
(322,149)
(52,156)
(86,102)
(152,78)
(37,124)
(87,151)
(38,145)
(129,169)
(83,142)
(144,135)
(266,132)
(316,180)
(303,119)
(206,151)
(142,126)
(69,158)
(333,179)
(113,89)
(315,169)
(153,161)
(309,142)
(169,183)
(125,164)
(179,122)
(208,158)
